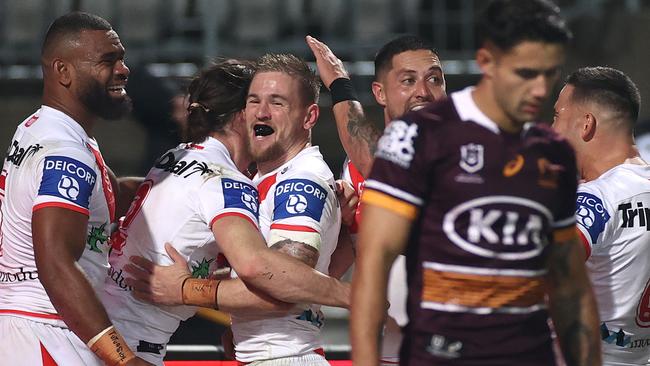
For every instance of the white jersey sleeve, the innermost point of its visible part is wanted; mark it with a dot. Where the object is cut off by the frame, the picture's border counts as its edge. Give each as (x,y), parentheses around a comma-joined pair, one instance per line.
(228,197)
(593,217)
(300,204)
(66,179)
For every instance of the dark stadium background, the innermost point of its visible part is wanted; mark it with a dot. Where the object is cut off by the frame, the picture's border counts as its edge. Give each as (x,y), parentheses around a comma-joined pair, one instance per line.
(167,41)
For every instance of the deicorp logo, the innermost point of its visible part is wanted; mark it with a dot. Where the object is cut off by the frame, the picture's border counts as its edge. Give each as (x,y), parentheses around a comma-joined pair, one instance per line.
(67,178)
(591,214)
(240,195)
(299,197)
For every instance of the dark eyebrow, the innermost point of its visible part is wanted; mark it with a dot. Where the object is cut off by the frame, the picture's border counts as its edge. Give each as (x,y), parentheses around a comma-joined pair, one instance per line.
(278,96)
(433,68)
(112,55)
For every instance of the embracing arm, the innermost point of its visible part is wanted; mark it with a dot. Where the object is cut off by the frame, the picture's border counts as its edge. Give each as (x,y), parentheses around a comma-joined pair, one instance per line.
(276,274)
(383,235)
(59,237)
(59,241)
(239,298)
(358,135)
(572,303)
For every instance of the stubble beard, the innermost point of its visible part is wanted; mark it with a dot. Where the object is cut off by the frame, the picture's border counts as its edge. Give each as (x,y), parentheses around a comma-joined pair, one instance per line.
(271,153)
(97,100)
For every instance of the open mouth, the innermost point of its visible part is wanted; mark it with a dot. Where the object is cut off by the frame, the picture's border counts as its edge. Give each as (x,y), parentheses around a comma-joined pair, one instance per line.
(417,107)
(263,130)
(117,90)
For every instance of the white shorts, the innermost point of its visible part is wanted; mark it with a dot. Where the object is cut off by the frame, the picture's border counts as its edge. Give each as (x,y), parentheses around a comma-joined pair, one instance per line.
(391,343)
(397,318)
(30,343)
(127,329)
(309,359)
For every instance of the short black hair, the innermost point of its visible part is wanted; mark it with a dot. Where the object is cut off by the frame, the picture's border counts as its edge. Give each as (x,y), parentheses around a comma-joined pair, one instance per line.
(607,87)
(506,23)
(384,58)
(72,24)
(215,96)
(296,68)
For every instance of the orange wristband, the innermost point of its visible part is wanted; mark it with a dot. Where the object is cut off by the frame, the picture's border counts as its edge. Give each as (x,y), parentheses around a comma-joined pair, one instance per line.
(110,347)
(200,292)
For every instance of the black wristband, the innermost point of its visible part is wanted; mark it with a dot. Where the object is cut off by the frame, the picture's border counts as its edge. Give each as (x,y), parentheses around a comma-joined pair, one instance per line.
(341,89)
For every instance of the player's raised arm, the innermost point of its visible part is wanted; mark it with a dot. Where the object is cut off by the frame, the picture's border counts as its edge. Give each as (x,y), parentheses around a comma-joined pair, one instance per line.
(358,134)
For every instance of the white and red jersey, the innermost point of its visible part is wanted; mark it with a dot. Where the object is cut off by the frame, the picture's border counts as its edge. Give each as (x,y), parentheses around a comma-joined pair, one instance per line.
(397,286)
(189,188)
(613,215)
(51,162)
(352,175)
(297,200)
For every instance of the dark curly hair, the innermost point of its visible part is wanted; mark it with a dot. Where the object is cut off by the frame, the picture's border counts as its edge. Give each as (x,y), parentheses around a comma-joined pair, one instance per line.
(215,96)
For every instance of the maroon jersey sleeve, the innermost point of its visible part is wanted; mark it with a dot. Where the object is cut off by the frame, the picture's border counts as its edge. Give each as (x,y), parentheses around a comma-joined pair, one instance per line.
(560,169)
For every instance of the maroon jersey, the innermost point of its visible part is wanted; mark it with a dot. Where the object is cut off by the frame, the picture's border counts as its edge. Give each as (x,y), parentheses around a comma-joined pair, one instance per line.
(485,205)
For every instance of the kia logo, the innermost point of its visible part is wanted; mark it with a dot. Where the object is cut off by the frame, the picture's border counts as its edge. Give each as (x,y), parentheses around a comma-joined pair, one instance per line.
(502,227)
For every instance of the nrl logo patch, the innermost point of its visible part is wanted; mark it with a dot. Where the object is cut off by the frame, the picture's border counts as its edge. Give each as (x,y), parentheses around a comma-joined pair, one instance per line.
(471,157)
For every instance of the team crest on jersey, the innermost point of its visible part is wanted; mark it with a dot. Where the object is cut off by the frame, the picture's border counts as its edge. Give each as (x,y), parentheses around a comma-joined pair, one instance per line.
(67,178)
(299,197)
(240,195)
(397,143)
(443,347)
(591,215)
(471,157)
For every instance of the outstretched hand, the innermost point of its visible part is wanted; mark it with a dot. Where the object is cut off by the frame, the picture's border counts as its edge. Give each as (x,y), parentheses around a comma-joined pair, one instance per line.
(155,283)
(329,66)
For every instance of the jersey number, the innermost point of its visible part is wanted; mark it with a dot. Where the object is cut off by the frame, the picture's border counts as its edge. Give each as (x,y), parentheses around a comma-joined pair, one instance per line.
(118,239)
(3,180)
(643,309)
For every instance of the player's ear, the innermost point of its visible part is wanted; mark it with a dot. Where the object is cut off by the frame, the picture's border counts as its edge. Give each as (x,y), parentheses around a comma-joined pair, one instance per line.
(62,72)
(485,59)
(378,92)
(311,117)
(589,125)
(238,122)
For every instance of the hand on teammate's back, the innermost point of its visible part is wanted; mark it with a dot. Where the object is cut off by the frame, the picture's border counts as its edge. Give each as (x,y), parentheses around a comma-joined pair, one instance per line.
(155,283)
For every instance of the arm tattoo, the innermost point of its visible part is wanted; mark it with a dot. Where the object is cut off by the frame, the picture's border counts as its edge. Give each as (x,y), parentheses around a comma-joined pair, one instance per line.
(361,128)
(301,251)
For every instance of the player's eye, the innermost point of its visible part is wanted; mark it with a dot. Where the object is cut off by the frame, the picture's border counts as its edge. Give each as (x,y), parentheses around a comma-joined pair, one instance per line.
(527,73)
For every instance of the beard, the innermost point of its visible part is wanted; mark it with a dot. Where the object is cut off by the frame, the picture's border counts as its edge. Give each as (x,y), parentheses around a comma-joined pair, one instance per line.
(96,99)
(271,153)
